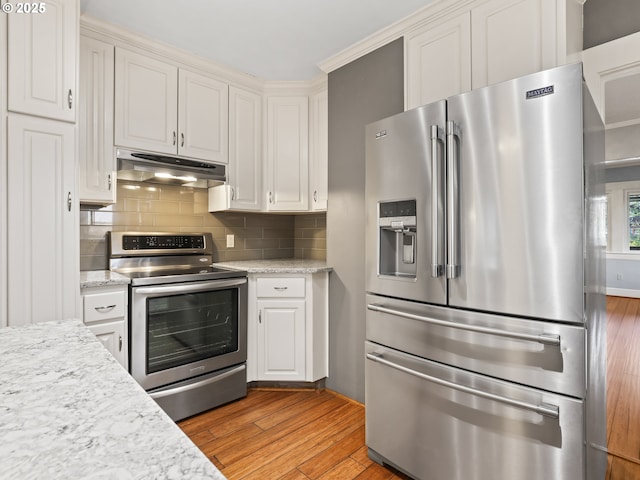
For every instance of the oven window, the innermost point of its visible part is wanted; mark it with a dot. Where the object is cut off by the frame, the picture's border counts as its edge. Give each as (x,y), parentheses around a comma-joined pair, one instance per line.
(187,328)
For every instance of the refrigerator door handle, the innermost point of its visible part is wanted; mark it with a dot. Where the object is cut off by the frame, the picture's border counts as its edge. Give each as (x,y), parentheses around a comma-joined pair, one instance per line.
(544,338)
(437,263)
(545,409)
(453,204)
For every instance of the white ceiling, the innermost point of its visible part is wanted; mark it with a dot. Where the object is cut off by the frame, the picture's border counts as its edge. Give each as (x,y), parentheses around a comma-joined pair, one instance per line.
(271,39)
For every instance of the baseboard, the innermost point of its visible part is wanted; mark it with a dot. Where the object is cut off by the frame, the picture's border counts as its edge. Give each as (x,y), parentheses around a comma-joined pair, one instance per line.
(623,292)
(287,385)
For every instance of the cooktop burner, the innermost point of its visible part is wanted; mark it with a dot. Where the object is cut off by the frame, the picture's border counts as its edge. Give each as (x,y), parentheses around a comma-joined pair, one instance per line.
(174,275)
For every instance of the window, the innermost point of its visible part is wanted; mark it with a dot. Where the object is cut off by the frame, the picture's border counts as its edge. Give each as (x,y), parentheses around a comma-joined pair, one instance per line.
(623,217)
(633,217)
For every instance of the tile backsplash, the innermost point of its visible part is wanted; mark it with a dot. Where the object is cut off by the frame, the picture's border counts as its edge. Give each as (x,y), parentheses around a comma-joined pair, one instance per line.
(147,208)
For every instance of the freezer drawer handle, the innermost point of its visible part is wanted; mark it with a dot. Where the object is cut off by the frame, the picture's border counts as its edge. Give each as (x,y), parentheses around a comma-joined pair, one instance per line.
(544,338)
(545,409)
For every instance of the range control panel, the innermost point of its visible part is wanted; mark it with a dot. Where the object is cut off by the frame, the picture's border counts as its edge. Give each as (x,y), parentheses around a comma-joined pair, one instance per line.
(155,242)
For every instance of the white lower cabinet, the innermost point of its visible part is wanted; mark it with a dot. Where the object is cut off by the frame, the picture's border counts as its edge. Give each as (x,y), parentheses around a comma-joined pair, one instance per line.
(105,314)
(281,339)
(288,327)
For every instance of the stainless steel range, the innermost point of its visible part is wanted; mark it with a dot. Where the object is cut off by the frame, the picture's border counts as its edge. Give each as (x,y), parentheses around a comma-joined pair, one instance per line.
(187,320)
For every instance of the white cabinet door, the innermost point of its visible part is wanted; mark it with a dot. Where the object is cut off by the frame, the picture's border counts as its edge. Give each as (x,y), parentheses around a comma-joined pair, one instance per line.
(438,61)
(96,162)
(202,117)
(319,150)
(287,153)
(42,221)
(146,103)
(245,149)
(42,50)
(281,340)
(512,38)
(113,336)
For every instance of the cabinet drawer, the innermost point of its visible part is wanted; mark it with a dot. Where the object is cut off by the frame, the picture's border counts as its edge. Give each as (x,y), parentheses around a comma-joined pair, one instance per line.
(104,306)
(276,287)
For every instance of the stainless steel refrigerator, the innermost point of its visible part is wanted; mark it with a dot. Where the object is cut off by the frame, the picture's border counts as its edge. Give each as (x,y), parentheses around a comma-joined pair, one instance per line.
(485,329)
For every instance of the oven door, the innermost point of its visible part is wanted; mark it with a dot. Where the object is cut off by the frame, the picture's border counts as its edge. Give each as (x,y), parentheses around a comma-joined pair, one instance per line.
(184,330)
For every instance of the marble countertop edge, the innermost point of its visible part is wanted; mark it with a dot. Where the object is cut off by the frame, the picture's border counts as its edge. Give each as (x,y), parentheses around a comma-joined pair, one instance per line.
(280,265)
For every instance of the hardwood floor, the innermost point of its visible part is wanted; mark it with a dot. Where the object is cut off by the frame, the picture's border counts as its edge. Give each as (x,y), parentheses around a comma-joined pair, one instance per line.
(295,435)
(623,388)
(289,435)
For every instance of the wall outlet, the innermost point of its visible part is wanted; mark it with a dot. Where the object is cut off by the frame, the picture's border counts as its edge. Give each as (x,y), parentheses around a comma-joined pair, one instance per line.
(231,240)
(619,276)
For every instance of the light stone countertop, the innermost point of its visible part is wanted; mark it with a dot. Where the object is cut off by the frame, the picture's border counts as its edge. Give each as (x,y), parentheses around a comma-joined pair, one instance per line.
(69,411)
(102,278)
(280,265)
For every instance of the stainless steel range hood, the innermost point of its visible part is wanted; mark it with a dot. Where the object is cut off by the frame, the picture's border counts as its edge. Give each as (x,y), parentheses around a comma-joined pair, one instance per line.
(168,170)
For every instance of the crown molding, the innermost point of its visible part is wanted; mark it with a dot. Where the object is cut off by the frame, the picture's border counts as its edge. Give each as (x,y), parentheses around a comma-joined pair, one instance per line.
(432,12)
(121,37)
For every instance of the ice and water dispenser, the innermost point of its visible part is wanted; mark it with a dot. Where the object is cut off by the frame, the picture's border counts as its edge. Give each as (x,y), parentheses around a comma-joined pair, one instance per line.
(397,242)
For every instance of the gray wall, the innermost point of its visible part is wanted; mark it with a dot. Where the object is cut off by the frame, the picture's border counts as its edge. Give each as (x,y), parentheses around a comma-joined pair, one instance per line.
(361,92)
(606,20)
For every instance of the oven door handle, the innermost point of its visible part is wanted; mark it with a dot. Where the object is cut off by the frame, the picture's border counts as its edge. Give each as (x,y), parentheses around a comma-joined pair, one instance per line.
(201,383)
(190,287)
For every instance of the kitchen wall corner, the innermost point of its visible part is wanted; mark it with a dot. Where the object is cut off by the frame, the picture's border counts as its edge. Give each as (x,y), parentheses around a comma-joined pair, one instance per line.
(147,208)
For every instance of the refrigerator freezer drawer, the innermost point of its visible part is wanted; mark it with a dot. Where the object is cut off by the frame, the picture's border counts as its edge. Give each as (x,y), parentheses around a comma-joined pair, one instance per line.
(546,355)
(438,422)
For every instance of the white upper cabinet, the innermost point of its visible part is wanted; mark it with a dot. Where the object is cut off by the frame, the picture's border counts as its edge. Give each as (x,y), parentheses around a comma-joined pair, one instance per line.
(489,41)
(203,106)
(42,56)
(319,150)
(96,162)
(512,38)
(287,138)
(438,61)
(166,110)
(245,149)
(146,105)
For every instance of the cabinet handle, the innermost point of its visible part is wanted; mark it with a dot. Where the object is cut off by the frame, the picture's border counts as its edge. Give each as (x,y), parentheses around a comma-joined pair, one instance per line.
(270,197)
(315,196)
(109,181)
(120,343)
(105,309)
(260,316)
(233,194)
(280,289)
(70,99)
(174,138)
(182,139)
(69,202)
